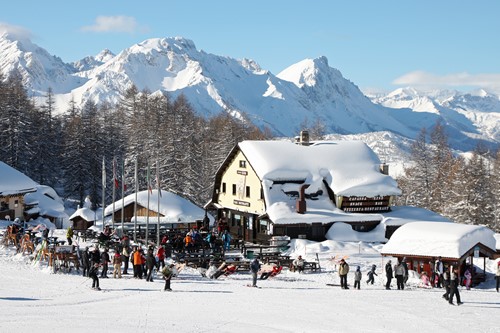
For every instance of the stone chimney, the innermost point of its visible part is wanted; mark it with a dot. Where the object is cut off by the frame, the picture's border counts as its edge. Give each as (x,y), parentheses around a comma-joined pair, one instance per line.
(384,168)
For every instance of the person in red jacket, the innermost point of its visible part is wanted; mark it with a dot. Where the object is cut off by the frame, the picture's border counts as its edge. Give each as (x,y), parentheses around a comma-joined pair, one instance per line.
(160,254)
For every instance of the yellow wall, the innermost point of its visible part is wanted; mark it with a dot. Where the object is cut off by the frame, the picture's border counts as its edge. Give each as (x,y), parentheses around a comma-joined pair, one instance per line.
(235,174)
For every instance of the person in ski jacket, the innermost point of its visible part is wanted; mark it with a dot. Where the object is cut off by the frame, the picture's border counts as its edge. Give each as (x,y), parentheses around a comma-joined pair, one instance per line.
(438,270)
(399,272)
(93,271)
(298,264)
(371,274)
(446,283)
(117,265)
(160,254)
(95,256)
(454,282)
(388,275)
(357,278)
(85,261)
(468,278)
(343,271)
(125,259)
(69,235)
(150,265)
(226,239)
(105,260)
(167,273)
(254,268)
(138,258)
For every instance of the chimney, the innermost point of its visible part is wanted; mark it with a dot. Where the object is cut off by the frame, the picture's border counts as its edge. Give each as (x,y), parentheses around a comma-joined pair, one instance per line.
(384,168)
(304,138)
(301,205)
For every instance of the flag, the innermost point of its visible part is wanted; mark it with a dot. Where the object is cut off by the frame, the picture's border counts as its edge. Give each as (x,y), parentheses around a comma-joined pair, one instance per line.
(148,177)
(103,173)
(115,180)
(158,178)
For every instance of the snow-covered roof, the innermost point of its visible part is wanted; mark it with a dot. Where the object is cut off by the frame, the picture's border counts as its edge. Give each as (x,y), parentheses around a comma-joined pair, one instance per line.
(13,181)
(87,214)
(173,207)
(47,201)
(400,215)
(448,240)
(350,168)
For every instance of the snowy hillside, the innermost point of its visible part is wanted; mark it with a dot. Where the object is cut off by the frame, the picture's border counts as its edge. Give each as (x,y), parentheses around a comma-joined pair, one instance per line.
(477,115)
(309,91)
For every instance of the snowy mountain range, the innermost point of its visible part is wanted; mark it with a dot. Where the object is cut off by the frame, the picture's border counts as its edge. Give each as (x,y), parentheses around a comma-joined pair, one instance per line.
(308,91)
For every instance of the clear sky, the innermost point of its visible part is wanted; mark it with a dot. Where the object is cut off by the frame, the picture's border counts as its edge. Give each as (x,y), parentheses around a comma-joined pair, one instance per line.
(378,45)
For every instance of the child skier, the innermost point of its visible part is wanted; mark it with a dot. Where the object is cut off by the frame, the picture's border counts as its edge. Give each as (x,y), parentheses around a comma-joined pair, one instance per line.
(370,274)
(357,278)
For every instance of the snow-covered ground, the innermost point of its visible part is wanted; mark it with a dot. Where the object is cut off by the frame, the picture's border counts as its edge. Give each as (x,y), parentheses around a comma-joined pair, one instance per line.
(34,299)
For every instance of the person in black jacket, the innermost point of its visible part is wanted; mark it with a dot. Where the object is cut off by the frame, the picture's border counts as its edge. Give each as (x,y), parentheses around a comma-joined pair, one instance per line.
(95,256)
(104,262)
(446,283)
(371,273)
(85,261)
(150,265)
(93,271)
(454,281)
(388,274)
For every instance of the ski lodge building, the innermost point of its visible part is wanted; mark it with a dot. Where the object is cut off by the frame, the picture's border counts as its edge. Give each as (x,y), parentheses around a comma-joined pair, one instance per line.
(278,188)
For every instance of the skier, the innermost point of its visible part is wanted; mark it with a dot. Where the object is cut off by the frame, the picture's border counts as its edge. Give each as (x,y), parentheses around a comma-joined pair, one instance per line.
(446,283)
(254,268)
(371,274)
(93,274)
(343,270)
(150,265)
(167,272)
(388,274)
(117,265)
(105,260)
(454,281)
(85,262)
(399,272)
(357,277)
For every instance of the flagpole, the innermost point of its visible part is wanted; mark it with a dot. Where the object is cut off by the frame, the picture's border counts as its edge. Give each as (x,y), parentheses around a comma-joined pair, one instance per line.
(123,192)
(114,186)
(103,188)
(158,195)
(147,216)
(135,202)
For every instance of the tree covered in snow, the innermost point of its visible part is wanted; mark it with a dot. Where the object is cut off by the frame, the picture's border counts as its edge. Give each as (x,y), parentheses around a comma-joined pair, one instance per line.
(465,190)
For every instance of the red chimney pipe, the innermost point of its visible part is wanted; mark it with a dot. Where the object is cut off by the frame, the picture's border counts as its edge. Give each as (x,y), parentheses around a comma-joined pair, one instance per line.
(301,205)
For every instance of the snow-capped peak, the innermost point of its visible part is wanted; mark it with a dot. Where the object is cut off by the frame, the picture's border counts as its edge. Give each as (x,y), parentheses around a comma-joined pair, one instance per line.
(104,56)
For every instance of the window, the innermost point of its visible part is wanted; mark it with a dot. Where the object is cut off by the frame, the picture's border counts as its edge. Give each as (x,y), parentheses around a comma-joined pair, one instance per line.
(223,187)
(234,189)
(243,164)
(248,192)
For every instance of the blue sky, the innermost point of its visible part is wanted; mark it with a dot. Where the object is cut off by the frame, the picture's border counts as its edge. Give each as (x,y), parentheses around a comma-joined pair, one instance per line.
(377,45)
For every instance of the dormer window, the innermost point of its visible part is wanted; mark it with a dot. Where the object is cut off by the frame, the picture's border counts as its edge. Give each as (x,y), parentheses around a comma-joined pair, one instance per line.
(243,164)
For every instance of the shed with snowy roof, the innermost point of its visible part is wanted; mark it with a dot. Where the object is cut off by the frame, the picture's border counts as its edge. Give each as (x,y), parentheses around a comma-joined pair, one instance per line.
(275,188)
(169,208)
(421,243)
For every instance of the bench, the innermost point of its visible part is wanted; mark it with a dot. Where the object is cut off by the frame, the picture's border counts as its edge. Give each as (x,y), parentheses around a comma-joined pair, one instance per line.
(308,266)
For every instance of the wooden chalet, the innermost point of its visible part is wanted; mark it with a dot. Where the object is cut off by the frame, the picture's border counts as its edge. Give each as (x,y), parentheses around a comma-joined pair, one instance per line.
(14,185)
(281,188)
(421,243)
